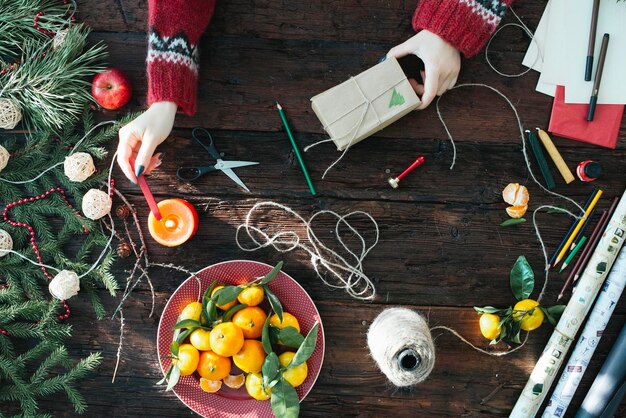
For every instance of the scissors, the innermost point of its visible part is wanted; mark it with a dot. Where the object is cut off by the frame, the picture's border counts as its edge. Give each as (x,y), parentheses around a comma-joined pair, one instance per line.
(204,138)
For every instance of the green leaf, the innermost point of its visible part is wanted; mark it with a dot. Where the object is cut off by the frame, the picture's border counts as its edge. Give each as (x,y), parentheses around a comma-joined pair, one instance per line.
(522,279)
(229,313)
(556,310)
(487,309)
(290,337)
(516,328)
(187,323)
(167,375)
(274,334)
(205,300)
(549,317)
(265,336)
(174,347)
(272,274)
(511,222)
(306,348)
(227,294)
(270,368)
(274,302)
(181,337)
(284,400)
(174,377)
(211,311)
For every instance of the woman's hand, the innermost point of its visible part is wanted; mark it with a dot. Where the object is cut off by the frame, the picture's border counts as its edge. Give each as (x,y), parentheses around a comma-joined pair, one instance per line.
(139,139)
(442,63)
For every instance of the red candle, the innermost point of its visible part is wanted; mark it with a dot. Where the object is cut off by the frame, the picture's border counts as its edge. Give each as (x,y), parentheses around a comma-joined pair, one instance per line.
(178,223)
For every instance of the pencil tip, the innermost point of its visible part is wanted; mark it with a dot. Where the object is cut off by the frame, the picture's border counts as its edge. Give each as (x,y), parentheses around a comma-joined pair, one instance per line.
(558,298)
(278,105)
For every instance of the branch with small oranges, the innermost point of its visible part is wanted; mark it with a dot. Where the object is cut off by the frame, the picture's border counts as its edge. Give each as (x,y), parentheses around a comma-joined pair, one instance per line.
(225,328)
(497,324)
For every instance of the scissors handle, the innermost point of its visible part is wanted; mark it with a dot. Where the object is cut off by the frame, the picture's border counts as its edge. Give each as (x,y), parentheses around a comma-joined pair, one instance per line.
(193,173)
(199,134)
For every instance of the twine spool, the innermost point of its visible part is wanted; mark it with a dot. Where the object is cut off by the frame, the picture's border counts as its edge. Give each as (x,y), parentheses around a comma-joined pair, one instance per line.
(10,114)
(6,243)
(96,204)
(401,344)
(4,157)
(64,285)
(79,166)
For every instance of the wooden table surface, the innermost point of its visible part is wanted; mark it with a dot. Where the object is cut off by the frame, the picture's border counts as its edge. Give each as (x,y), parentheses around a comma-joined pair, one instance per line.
(441,250)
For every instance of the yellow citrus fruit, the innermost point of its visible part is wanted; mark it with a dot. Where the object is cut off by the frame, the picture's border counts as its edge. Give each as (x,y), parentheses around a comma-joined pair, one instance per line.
(235,381)
(295,375)
(522,312)
(187,360)
(254,386)
(252,295)
(516,211)
(251,356)
(288,321)
(200,338)
(226,339)
(515,194)
(191,311)
(251,321)
(226,306)
(213,367)
(489,325)
(210,386)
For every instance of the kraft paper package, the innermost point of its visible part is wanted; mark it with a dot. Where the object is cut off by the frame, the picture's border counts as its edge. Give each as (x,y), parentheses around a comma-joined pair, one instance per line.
(365,104)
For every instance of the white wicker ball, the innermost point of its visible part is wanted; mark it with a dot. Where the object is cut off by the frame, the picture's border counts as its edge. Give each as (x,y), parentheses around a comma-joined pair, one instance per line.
(96,204)
(10,114)
(6,242)
(4,157)
(79,166)
(64,285)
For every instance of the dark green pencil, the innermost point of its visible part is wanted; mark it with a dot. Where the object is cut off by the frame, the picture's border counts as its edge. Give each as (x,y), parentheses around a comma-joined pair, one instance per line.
(295,148)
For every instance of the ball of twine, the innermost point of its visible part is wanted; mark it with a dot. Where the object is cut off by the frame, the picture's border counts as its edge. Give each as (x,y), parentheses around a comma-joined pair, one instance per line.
(400,342)
(6,242)
(96,204)
(4,157)
(79,166)
(10,114)
(64,285)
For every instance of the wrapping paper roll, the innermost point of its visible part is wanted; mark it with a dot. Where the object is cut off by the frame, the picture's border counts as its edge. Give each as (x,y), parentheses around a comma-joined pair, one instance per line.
(589,339)
(590,281)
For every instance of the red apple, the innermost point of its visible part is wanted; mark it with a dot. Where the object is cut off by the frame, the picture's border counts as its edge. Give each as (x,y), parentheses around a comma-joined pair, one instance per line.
(111,89)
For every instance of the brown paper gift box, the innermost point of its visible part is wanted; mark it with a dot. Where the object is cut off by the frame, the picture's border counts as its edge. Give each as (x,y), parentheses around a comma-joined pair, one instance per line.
(365,104)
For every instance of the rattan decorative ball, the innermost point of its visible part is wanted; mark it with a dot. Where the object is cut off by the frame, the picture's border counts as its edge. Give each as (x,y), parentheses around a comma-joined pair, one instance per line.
(96,204)
(10,114)
(6,243)
(79,166)
(64,285)
(4,157)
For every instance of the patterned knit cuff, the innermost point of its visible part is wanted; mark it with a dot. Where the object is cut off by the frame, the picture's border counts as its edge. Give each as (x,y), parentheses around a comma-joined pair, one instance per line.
(466,24)
(172,71)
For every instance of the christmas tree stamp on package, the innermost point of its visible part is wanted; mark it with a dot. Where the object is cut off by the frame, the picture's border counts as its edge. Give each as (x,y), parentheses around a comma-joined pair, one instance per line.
(365,104)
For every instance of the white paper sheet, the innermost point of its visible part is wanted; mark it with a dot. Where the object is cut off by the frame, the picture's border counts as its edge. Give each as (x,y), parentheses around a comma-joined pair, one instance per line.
(535,53)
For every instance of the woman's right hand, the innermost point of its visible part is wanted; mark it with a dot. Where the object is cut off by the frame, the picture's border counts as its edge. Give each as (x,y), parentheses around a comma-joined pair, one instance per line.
(139,138)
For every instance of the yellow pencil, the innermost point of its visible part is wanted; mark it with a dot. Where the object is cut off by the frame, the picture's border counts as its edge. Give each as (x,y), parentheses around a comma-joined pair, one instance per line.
(556,156)
(580,224)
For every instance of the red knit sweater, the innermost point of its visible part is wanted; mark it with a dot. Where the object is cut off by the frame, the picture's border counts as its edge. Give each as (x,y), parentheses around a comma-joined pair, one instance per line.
(176,27)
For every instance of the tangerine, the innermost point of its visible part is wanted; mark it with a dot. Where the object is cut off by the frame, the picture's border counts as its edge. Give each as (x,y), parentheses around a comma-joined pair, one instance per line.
(226,306)
(251,321)
(251,356)
(200,338)
(212,366)
(516,194)
(254,387)
(235,381)
(288,321)
(516,212)
(226,339)
(529,313)
(489,325)
(210,386)
(192,311)
(187,360)
(252,295)
(295,376)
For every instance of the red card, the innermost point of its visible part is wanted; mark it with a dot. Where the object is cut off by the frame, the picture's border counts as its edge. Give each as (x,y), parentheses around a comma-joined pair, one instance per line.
(570,121)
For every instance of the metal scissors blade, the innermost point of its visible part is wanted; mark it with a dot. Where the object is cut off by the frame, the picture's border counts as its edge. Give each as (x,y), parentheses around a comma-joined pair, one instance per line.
(234,177)
(222,165)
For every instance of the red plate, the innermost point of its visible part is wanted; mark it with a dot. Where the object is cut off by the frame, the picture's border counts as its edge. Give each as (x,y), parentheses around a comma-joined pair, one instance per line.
(236,402)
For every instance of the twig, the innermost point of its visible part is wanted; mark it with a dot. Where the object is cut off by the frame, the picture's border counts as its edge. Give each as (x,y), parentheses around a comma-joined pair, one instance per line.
(491,394)
(119,346)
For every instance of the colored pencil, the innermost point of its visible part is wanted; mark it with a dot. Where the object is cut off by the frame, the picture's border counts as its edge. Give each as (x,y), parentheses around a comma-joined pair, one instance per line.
(573,253)
(541,160)
(582,230)
(569,231)
(580,224)
(295,148)
(556,156)
(584,257)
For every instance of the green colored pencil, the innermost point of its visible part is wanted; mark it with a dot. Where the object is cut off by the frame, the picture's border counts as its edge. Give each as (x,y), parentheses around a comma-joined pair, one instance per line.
(295,148)
(573,253)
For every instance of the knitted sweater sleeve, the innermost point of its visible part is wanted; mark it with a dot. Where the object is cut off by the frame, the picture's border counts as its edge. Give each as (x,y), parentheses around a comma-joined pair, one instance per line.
(175,27)
(466,24)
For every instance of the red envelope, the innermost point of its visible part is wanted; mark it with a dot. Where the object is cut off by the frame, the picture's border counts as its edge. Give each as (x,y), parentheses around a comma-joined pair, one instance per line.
(570,121)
